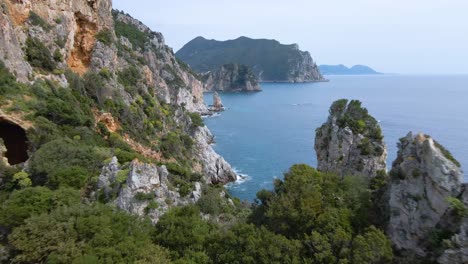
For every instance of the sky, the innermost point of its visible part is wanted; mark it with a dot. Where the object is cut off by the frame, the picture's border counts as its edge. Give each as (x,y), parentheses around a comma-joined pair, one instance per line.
(392,36)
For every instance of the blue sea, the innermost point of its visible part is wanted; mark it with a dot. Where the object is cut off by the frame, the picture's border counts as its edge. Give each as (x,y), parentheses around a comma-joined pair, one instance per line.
(262,134)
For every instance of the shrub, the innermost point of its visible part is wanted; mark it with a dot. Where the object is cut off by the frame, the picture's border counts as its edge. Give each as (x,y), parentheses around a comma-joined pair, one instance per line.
(51,161)
(34,200)
(104,36)
(60,106)
(74,177)
(86,234)
(39,55)
(8,82)
(36,20)
(22,178)
(458,207)
(129,78)
(197,120)
(141,196)
(447,154)
(122,176)
(58,57)
(175,145)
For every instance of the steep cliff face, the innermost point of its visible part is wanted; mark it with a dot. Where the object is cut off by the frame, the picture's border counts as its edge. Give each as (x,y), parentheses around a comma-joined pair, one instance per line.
(424,178)
(350,142)
(231,78)
(65,27)
(456,250)
(84,67)
(303,68)
(270,60)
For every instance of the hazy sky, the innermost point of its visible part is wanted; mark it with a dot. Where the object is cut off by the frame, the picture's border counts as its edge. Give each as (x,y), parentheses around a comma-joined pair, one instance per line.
(393,36)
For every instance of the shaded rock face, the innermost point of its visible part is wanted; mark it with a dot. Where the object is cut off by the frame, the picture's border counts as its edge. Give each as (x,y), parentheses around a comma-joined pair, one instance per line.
(350,142)
(231,78)
(304,69)
(458,252)
(143,189)
(422,178)
(215,167)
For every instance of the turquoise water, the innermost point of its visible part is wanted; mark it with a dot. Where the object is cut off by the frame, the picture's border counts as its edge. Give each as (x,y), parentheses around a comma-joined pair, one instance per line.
(262,134)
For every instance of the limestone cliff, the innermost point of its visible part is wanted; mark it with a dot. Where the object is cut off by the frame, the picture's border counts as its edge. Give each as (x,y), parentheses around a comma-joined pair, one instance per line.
(456,247)
(350,142)
(231,78)
(143,189)
(424,177)
(131,88)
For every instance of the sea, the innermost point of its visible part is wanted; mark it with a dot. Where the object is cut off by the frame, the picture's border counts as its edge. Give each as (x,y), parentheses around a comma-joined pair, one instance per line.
(262,134)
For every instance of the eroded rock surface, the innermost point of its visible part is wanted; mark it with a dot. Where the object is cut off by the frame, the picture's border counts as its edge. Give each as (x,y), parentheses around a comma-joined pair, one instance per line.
(423,178)
(231,78)
(215,167)
(142,188)
(350,142)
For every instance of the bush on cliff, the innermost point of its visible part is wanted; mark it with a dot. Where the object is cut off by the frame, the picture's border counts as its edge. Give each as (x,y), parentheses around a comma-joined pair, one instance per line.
(38,55)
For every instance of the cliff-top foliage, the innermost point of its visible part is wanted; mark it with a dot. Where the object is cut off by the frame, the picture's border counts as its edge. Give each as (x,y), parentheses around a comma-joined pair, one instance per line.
(351,114)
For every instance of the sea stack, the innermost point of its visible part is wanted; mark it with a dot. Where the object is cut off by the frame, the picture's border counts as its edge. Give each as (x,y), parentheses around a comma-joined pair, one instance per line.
(217,103)
(350,142)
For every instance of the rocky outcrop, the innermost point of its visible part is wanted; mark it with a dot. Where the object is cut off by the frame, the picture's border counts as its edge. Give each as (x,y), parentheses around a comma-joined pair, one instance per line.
(270,60)
(142,189)
(217,105)
(457,246)
(423,177)
(350,142)
(66,27)
(215,167)
(231,78)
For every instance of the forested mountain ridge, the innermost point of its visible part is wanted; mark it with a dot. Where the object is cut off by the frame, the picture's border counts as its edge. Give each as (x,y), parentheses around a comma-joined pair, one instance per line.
(270,60)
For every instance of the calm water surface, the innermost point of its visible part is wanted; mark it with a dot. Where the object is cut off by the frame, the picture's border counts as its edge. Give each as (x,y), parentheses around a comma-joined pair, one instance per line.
(262,134)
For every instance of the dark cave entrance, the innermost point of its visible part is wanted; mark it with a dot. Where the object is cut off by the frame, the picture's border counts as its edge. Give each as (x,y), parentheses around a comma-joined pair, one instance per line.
(16,142)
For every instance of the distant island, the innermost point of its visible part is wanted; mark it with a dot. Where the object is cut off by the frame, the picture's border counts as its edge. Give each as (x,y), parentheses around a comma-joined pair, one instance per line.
(343,70)
(270,60)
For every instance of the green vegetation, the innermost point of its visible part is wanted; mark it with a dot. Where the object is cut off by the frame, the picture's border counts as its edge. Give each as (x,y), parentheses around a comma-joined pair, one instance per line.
(197,120)
(357,118)
(38,55)
(105,36)
(86,234)
(447,154)
(268,57)
(36,20)
(144,196)
(129,78)
(310,217)
(8,84)
(138,38)
(458,207)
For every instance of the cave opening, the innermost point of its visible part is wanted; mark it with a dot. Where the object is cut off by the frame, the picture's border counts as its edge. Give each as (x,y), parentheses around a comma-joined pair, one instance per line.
(15,140)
